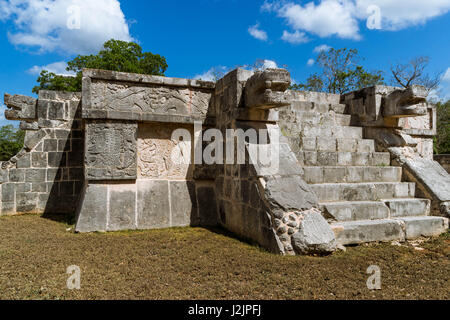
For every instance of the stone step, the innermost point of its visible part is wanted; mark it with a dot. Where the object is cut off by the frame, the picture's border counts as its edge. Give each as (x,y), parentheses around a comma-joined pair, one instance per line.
(354,210)
(408,207)
(318,107)
(324,158)
(374,191)
(323,119)
(349,174)
(416,227)
(373,210)
(336,144)
(363,231)
(346,132)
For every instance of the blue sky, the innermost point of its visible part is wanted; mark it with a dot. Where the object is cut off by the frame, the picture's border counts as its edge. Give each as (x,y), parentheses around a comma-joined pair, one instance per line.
(196,36)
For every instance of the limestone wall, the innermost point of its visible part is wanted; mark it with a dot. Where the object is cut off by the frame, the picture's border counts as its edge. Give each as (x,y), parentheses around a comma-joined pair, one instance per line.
(129,168)
(46,176)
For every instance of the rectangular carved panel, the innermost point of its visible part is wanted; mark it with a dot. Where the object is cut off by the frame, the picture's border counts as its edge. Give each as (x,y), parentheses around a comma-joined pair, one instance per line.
(111,151)
(160,157)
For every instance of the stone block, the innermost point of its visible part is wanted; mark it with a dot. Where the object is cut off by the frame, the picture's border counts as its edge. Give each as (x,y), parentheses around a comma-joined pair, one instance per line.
(56,159)
(54,175)
(35,175)
(207,206)
(24,161)
(24,187)
(39,187)
(424,226)
(17,175)
(8,192)
(8,208)
(289,193)
(356,232)
(56,110)
(183,201)
(315,235)
(50,145)
(111,151)
(26,202)
(93,207)
(122,207)
(153,204)
(64,145)
(29,126)
(39,159)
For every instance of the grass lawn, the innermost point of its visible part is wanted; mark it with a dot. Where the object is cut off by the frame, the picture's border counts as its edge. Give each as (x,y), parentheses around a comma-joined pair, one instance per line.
(194,263)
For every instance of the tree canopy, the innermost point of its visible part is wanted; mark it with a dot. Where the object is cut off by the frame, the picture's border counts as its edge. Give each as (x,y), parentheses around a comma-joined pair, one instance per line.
(442,139)
(115,55)
(340,73)
(11,142)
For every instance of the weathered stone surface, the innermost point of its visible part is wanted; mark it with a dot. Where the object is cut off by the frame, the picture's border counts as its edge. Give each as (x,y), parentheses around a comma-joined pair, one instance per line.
(266,89)
(93,209)
(20,107)
(122,207)
(183,203)
(207,206)
(153,204)
(356,210)
(107,93)
(409,102)
(111,151)
(431,175)
(156,149)
(314,236)
(408,207)
(416,227)
(32,140)
(8,192)
(32,126)
(356,232)
(289,193)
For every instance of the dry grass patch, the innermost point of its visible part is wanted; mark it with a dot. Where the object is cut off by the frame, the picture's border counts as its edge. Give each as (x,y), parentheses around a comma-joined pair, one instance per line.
(195,263)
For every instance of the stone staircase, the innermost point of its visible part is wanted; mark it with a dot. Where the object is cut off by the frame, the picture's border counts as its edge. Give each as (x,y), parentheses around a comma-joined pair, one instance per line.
(360,194)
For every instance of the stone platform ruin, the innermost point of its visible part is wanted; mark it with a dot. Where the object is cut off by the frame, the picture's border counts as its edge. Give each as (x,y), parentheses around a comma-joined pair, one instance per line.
(349,169)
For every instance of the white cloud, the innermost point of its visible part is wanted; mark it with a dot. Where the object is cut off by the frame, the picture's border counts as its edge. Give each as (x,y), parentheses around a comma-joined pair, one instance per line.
(216,73)
(400,14)
(444,88)
(322,47)
(213,74)
(268,64)
(310,62)
(342,18)
(52,25)
(296,37)
(58,68)
(446,75)
(329,17)
(257,33)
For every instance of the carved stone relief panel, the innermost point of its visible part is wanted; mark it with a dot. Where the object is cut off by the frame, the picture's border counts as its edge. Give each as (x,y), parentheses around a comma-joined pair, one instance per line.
(160,156)
(110,150)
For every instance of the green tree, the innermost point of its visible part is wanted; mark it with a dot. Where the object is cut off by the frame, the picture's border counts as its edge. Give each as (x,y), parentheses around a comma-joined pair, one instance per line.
(115,55)
(11,142)
(341,73)
(442,139)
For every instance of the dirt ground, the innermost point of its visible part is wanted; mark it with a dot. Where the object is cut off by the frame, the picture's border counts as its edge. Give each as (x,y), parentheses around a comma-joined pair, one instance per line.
(194,263)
